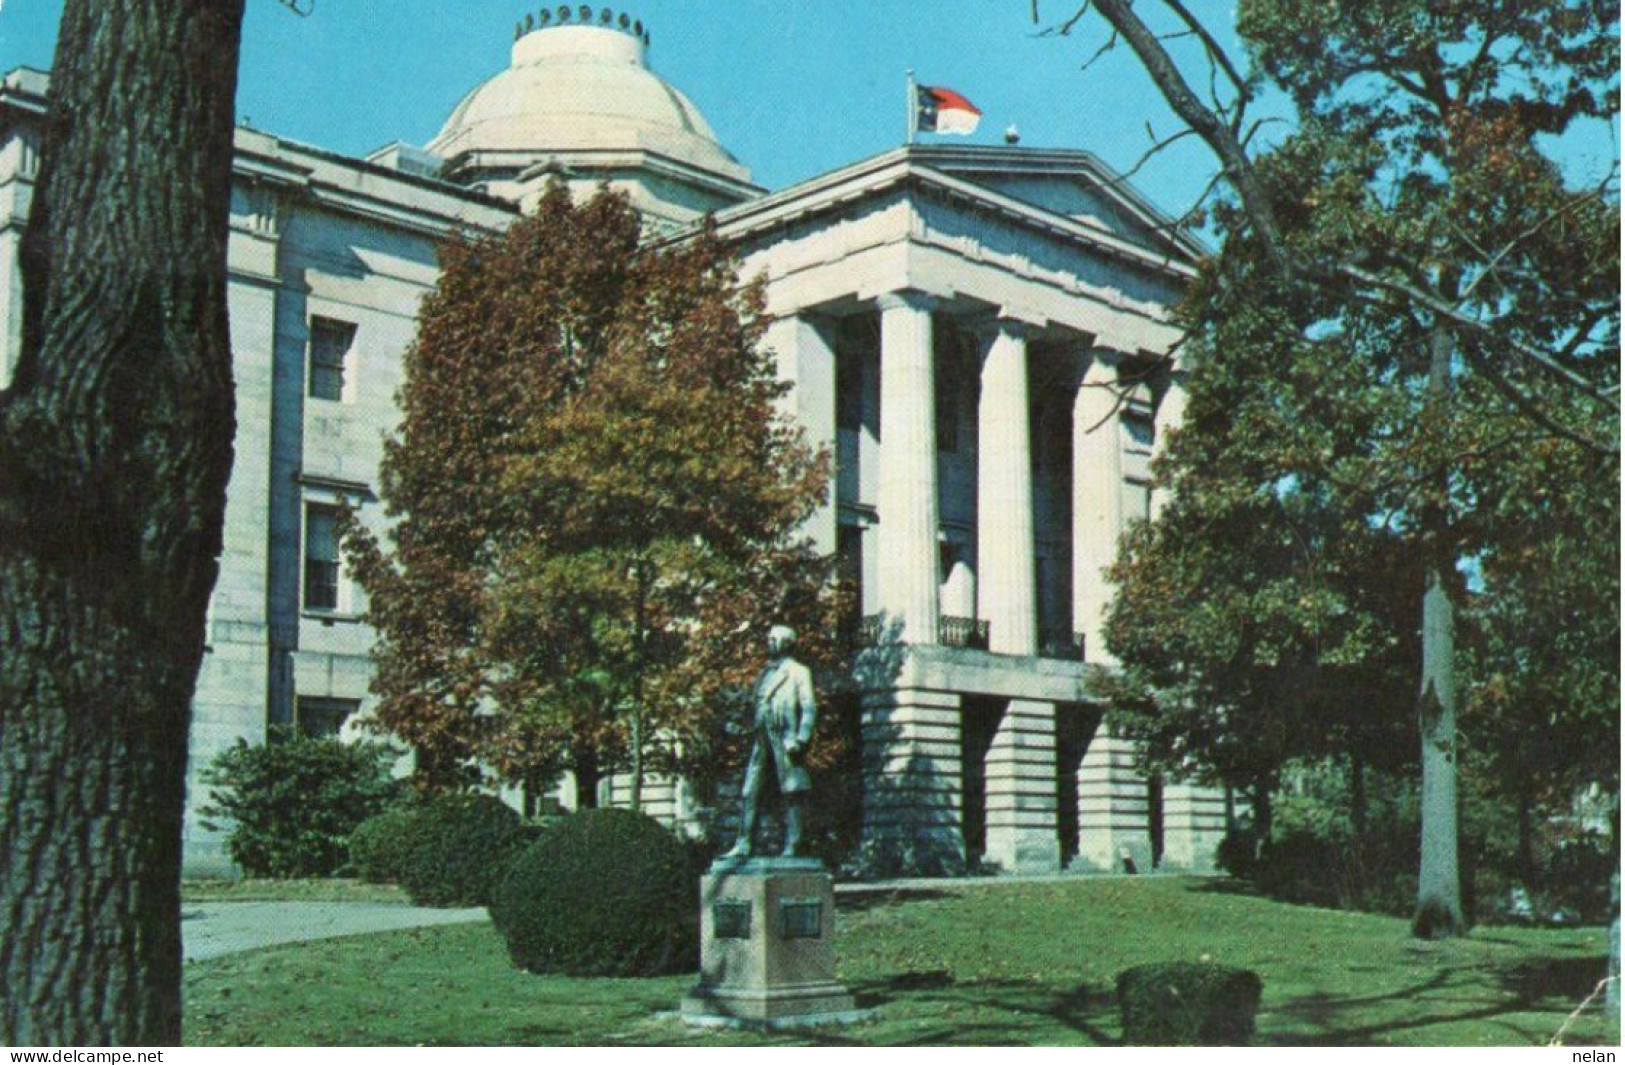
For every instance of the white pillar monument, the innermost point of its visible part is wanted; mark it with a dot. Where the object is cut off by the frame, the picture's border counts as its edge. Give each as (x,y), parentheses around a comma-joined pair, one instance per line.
(1004,495)
(907,497)
(1114,829)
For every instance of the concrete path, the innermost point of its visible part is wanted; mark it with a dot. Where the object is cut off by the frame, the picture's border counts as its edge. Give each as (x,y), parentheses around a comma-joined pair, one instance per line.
(210,929)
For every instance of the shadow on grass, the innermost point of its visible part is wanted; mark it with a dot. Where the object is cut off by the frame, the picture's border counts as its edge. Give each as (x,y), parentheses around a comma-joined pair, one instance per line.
(864,900)
(994,1012)
(1545,985)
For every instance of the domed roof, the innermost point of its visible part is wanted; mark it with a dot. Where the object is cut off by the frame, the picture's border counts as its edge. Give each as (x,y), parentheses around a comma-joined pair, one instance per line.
(576,87)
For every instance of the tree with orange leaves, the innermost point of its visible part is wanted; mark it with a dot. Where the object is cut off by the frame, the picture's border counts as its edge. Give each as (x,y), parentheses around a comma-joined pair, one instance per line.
(595,505)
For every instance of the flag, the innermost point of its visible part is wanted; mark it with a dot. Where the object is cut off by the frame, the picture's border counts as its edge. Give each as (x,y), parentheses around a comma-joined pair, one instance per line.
(945,111)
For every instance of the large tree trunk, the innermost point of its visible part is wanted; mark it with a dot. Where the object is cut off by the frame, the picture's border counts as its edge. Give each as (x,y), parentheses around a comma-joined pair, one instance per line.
(115,447)
(1438,896)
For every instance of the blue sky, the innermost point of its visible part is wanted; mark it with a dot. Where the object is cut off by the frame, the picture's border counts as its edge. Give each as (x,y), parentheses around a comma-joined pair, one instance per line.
(792,87)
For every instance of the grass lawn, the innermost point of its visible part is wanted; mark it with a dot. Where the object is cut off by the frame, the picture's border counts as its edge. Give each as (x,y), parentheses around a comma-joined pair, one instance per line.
(315,890)
(1013,963)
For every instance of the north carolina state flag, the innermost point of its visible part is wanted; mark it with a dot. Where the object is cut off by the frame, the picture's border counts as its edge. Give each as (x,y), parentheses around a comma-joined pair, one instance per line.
(945,111)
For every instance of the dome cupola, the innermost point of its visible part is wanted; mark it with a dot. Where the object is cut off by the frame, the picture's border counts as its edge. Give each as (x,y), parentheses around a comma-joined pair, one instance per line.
(579,99)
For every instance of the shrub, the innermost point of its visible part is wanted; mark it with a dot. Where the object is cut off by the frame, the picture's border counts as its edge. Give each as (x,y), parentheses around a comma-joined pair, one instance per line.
(1188,1004)
(457,847)
(379,845)
(290,805)
(601,893)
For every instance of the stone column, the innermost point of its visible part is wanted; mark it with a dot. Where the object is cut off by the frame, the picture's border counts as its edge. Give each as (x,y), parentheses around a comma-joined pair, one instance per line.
(1193,824)
(1021,830)
(805,352)
(1004,495)
(1097,502)
(913,792)
(1113,805)
(907,501)
(1170,414)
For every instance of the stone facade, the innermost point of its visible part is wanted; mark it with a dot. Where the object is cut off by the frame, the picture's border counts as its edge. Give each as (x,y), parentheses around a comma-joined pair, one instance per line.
(968,329)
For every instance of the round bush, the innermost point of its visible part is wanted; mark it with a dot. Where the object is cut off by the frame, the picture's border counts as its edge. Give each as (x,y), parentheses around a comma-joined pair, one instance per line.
(379,845)
(457,848)
(1188,1004)
(601,893)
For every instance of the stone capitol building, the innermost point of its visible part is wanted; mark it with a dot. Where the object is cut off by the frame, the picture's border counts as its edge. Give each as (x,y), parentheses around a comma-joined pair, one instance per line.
(976,332)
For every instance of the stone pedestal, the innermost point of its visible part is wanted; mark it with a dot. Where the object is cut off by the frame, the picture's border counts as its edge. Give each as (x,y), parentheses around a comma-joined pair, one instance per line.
(767,950)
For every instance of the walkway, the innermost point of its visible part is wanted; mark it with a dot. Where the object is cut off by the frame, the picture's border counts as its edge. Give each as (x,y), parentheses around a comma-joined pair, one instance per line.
(210,929)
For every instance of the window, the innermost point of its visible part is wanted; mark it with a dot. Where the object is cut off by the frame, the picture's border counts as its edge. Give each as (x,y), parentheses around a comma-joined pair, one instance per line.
(321,557)
(1136,500)
(330,343)
(322,717)
(1139,429)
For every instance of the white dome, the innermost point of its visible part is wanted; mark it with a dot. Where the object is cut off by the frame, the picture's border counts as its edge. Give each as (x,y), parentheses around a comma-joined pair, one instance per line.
(574,88)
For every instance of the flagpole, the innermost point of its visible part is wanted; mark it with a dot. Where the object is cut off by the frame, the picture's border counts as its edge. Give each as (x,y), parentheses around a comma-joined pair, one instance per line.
(912,114)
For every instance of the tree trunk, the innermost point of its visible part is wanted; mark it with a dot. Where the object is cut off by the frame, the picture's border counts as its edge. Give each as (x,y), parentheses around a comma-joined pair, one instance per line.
(587,775)
(115,447)
(1438,897)
(1359,807)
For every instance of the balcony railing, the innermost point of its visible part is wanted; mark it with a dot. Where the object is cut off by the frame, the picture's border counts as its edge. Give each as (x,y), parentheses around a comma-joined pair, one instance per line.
(971,633)
(962,632)
(1062,644)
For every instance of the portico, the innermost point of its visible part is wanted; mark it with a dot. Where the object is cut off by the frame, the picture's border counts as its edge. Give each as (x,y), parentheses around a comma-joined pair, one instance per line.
(949,319)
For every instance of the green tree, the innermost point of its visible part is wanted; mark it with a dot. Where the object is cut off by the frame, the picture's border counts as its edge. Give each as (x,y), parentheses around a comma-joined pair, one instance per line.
(596,504)
(115,446)
(1416,219)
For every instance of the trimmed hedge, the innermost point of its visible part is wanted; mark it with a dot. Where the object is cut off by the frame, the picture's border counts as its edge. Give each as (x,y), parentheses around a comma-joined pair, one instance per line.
(601,893)
(379,845)
(1188,1004)
(289,806)
(457,850)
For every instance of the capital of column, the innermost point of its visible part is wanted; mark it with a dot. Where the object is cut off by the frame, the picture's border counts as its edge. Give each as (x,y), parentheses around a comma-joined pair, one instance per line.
(1094,366)
(909,299)
(990,325)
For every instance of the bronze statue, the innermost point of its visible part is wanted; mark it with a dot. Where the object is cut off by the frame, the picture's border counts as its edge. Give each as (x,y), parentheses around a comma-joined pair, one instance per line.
(785,713)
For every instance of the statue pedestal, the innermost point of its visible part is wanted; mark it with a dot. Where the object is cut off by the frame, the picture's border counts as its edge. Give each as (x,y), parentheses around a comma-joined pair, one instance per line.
(767,952)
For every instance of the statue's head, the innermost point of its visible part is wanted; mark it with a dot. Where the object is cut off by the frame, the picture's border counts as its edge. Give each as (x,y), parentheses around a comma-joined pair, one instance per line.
(780,640)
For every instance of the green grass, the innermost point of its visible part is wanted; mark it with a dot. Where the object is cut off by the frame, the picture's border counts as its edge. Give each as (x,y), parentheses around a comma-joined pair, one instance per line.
(314,890)
(1018,963)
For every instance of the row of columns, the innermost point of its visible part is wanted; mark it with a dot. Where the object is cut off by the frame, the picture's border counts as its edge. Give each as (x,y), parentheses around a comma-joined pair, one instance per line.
(907,484)
(913,739)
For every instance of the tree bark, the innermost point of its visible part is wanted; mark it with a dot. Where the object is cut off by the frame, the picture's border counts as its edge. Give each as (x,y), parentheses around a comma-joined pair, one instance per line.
(1438,899)
(115,448)
(1358,806)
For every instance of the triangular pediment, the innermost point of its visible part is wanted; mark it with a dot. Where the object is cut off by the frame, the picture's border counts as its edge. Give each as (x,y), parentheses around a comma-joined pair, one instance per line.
(1071,183)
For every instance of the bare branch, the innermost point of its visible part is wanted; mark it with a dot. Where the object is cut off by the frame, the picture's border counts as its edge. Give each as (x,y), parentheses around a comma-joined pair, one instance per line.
(1215,52)
(1443,309)
(1530,409)
(1207,124)
(1111,43)
(1512,245)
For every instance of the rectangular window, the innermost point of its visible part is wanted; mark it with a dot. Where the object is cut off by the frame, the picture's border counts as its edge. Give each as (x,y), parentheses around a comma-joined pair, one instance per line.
(1139,430)
(1136,500)
(322,717)
(321,557)
(330,343)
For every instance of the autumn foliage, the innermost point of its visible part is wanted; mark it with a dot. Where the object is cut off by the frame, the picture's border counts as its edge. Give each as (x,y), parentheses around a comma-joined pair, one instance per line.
(594,505)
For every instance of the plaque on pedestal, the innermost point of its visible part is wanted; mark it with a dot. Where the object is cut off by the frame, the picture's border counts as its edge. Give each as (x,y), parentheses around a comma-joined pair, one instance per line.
(767,953)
